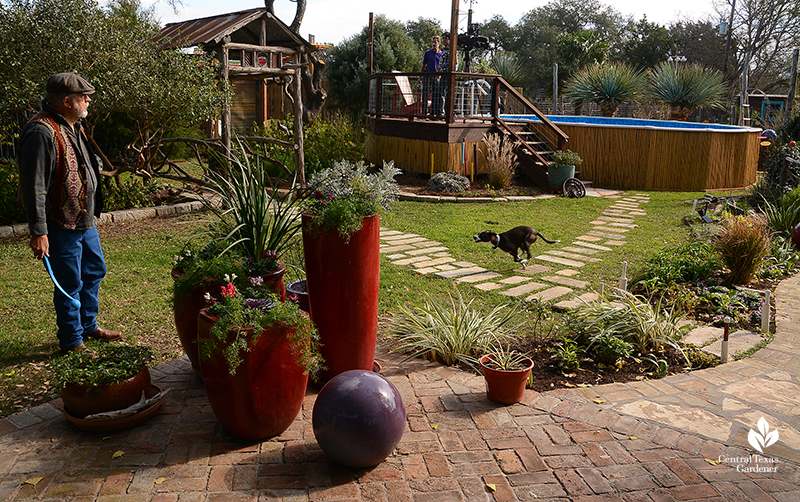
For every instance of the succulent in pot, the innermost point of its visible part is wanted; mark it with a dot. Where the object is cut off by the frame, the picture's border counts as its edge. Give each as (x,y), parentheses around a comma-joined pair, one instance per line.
(506,372)
(110,377)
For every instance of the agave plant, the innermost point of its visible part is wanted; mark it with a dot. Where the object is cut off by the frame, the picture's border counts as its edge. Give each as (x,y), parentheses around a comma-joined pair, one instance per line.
(686,87)
(608,85)
(508,66)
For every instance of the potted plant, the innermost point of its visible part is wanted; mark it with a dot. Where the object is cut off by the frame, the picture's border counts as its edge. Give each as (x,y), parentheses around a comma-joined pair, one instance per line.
(256,356)
(196,272)
(506,372)
(562,168)
(111,377)
(250,223)
(341,230)
(297,291)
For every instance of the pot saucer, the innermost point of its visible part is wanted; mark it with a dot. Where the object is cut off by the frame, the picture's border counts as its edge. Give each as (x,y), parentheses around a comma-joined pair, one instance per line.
(115,424)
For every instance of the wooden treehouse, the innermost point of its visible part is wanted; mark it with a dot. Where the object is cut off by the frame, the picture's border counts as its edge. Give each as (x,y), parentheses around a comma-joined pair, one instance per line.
(473,106)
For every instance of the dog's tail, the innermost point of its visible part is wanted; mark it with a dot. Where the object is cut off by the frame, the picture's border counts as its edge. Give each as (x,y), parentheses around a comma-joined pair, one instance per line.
(546,240)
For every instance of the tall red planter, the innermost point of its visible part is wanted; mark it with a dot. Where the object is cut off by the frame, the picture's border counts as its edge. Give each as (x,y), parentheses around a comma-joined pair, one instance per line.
(186,311)
(343,280)
(265,395)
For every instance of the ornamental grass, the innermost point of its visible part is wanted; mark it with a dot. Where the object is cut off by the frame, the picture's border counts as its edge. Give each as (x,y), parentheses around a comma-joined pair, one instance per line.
(743,244)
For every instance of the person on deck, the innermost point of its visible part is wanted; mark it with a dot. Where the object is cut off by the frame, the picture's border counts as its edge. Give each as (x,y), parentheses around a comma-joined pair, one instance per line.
(430,83)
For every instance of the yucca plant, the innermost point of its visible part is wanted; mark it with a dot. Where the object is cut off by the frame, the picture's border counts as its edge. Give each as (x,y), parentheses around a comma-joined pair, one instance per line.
(501,161)
(608,85)
(245,207)
(633,319)
(686,87)
(783,217)
(508,66)
(743,244)
(450,334)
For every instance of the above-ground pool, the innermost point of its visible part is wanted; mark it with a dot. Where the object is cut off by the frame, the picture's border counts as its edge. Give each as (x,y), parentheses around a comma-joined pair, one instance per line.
(645,154)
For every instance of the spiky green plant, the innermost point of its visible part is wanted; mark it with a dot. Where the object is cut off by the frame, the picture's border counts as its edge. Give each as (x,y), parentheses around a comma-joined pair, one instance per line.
(450,334)
(608,85)
(783,217)
(631,318)
(686,87)
(743,244)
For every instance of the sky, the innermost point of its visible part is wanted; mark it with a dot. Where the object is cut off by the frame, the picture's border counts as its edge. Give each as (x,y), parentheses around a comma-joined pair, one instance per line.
(333,21)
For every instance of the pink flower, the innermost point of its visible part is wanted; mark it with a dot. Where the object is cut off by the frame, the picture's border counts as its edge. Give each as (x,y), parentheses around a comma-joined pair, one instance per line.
(229,290)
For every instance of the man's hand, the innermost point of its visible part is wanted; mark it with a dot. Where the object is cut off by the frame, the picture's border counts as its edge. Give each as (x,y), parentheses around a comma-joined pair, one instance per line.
(40,246)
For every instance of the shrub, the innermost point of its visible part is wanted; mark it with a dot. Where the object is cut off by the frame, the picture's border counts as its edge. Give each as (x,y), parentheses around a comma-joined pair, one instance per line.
(450,334)
(609,348)
(607,85)
(10,210)
(784,216)
(743,244)
(567,157)
(567,354)
(690,262)
(450,181)
(130,193)
(501,161)
(686,87)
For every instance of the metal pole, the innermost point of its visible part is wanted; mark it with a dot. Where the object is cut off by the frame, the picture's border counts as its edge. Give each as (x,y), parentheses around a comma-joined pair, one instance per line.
(724,352)
(555,89)
(765,312)
(623,279)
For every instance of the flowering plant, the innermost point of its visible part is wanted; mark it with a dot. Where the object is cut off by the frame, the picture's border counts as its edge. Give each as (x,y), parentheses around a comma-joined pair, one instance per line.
(242,316)
(347,193)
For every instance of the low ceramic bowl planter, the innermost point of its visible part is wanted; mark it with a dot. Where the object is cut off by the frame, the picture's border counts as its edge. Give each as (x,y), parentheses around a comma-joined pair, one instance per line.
(83,400)
(505,387)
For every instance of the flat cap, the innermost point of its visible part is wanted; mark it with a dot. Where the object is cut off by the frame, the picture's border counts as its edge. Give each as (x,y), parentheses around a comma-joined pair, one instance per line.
(68,83)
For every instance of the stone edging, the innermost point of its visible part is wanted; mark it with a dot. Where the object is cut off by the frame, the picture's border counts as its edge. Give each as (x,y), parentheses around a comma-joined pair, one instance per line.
(124,215)
(406,196)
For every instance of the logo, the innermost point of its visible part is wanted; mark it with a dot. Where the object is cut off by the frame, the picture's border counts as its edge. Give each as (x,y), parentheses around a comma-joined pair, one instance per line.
(763,440)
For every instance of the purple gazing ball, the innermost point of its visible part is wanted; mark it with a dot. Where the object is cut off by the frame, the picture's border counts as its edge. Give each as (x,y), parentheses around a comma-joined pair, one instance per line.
(359,417)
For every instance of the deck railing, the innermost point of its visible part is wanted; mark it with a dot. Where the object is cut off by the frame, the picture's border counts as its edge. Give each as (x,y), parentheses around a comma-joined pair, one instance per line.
(454,97)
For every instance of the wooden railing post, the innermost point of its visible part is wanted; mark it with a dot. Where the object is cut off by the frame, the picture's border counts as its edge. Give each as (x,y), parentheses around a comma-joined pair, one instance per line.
(378,96)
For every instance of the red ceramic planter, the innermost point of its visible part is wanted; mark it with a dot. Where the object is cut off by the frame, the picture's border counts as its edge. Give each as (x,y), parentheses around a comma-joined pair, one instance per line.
(265,395)
(504,387)
(82,400)
(186,312)
(343,280)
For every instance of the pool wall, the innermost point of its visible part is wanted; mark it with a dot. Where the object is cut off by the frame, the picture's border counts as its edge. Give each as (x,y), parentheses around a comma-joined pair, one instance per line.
(659,155)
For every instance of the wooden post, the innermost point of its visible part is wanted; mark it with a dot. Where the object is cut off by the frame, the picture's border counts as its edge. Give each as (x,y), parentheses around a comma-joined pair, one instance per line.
(299,154)
(370,42)
(226,113)
(451,67)
(787,112)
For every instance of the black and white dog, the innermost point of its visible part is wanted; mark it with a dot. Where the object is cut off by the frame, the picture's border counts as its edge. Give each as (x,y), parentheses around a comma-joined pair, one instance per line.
(513,240)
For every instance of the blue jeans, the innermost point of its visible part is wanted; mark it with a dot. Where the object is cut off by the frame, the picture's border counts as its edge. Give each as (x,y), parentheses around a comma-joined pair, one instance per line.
(78,264)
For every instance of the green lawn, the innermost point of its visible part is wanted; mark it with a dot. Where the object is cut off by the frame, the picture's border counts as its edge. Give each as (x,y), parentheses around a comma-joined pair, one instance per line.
(136,294)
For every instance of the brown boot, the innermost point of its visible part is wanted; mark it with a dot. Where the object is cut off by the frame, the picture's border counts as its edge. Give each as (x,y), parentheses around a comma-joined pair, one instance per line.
(104,335)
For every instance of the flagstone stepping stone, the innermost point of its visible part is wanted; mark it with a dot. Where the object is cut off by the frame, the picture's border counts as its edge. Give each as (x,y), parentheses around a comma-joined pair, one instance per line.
(591,246)
(433,263)
(549,294)
(590,238)
(567,272)
(566,281)
(560,261)
(615,243)
(524,289)
(489,286)
(387,233)
(427,244)
(464,264)
(446,268)
(576,302)
(603,228)
(478,277)
(604,234)
(394,249)
(580,250)
(534,269)
(462,271)
(426,250)
(398,237)
(428,270)
(410,240)
(412,260)
(615,219)
(573,256)
(514,280)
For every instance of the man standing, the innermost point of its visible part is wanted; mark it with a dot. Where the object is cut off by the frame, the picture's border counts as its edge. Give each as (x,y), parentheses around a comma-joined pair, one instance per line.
(60,189)
(430,87)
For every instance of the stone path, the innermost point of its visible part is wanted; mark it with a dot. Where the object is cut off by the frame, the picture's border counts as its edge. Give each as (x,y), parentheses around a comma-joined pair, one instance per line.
(553,275)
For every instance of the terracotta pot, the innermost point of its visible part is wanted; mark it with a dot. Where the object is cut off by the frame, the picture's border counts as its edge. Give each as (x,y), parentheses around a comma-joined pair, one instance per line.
(796,236)
(265,395)
(343,280)
(83,400)
(505,387)
(299,290)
